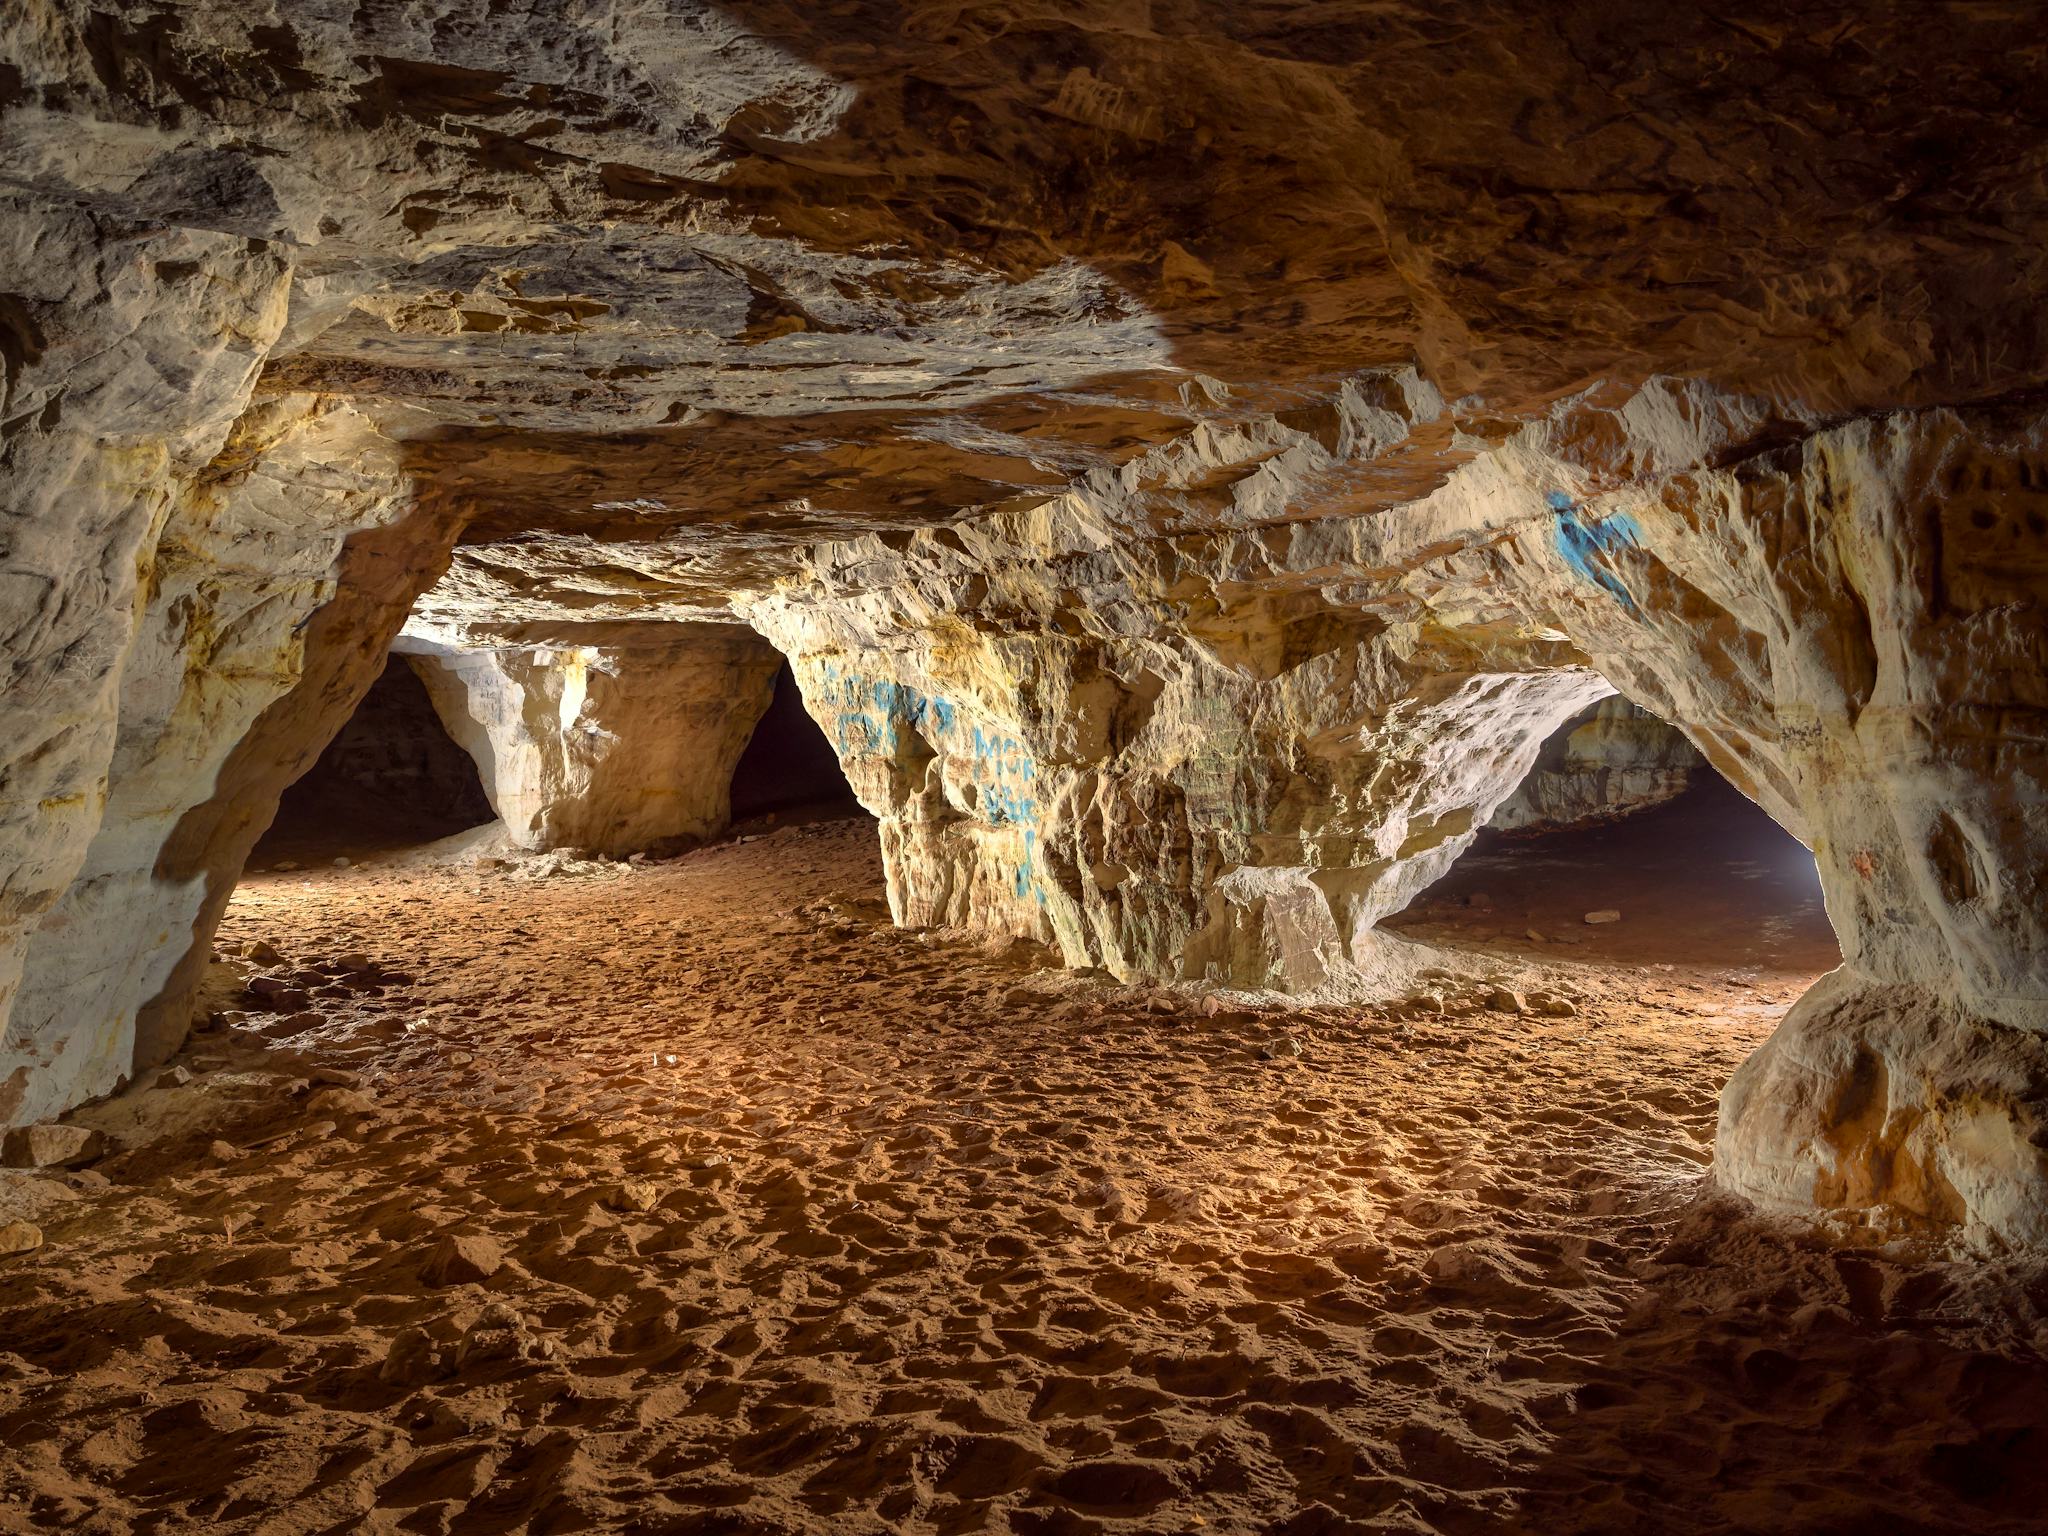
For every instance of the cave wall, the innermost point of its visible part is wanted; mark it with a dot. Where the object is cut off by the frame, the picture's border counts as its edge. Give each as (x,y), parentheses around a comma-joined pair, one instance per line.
(1180,575)
(189,579)
(620,744)
(392,763)
(1611,761)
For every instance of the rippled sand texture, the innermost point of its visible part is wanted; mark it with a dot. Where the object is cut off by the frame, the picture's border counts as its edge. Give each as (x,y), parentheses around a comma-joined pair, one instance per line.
(695,1198)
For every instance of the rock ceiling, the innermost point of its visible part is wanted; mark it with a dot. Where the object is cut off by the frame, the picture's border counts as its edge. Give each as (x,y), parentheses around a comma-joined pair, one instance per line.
(659,292)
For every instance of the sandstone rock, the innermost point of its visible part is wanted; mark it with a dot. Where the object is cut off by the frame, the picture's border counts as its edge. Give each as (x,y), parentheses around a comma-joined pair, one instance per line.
(341,1101)
(501,1333)
(1553,1004)
(1152,623)
(633,1195)
(410,1361)
(19,1237)
(615,745)
(1609,761)
(1604,915)
(462,1259)
(51,1146)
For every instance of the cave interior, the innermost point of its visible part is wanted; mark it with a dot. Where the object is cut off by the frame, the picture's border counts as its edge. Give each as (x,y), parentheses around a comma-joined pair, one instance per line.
(1080,769)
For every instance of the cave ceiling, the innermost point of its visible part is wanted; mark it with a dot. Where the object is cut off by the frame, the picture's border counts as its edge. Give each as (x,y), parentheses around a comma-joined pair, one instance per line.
(661,292)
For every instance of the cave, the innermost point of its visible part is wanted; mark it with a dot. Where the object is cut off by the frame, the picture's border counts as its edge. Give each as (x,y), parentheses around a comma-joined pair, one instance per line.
(788,765)
(391,778)
(781,769)
(1623,846)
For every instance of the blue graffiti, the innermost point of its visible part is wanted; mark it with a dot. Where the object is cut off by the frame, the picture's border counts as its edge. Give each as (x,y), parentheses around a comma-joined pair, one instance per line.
(1589,543)
(872,716)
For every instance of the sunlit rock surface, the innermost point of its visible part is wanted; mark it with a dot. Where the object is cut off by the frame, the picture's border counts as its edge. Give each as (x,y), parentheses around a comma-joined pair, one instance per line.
(1193,458)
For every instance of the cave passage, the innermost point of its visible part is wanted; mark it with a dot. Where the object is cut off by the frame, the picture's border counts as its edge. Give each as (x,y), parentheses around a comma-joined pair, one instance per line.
(1620,816)
(788,765)
(759,769)
(392,778)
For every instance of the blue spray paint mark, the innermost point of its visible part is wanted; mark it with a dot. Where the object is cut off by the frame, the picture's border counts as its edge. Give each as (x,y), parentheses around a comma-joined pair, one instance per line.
(1588,544)
(873,716)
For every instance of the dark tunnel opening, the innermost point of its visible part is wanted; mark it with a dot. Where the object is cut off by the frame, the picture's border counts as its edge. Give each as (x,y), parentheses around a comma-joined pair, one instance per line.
(392,778)
(1623,843)
(788,764)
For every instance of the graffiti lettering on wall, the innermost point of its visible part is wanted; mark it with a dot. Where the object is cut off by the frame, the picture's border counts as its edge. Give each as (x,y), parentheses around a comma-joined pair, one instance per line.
(877,717)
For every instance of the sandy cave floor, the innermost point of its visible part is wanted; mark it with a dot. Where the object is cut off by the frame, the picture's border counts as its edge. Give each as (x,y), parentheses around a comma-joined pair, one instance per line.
(693,1197)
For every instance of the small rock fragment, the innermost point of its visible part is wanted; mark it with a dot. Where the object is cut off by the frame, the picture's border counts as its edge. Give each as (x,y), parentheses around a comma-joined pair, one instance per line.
(262,952)
(501,1334)
(410,1360)
(20,1237)
(342,1101)
(462,1259)
(633,1195)
(1507,1000)
(343,863)
(1552,1004)
(1604,915)
(173,1077)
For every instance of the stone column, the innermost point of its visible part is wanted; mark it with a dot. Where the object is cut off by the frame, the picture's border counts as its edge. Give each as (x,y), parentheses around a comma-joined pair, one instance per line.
(125,358)
(274,589)
(1854,629)
(614,738)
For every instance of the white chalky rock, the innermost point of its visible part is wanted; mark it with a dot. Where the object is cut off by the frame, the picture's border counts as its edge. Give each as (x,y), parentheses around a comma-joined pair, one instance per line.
(616,745)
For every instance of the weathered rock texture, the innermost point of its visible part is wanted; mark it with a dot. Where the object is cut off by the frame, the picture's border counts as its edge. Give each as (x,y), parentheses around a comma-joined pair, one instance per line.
(393,763)
(619,745)
(1194,456)
(1613,760)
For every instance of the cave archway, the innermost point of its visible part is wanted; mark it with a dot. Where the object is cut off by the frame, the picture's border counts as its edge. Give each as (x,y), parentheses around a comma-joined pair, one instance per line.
(1623,843)
(789,764)
(392,777)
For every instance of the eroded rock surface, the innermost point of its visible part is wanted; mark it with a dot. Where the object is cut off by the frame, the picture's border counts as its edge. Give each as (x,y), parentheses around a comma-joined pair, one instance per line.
(624,743)
(1613,760)
(1192,458)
